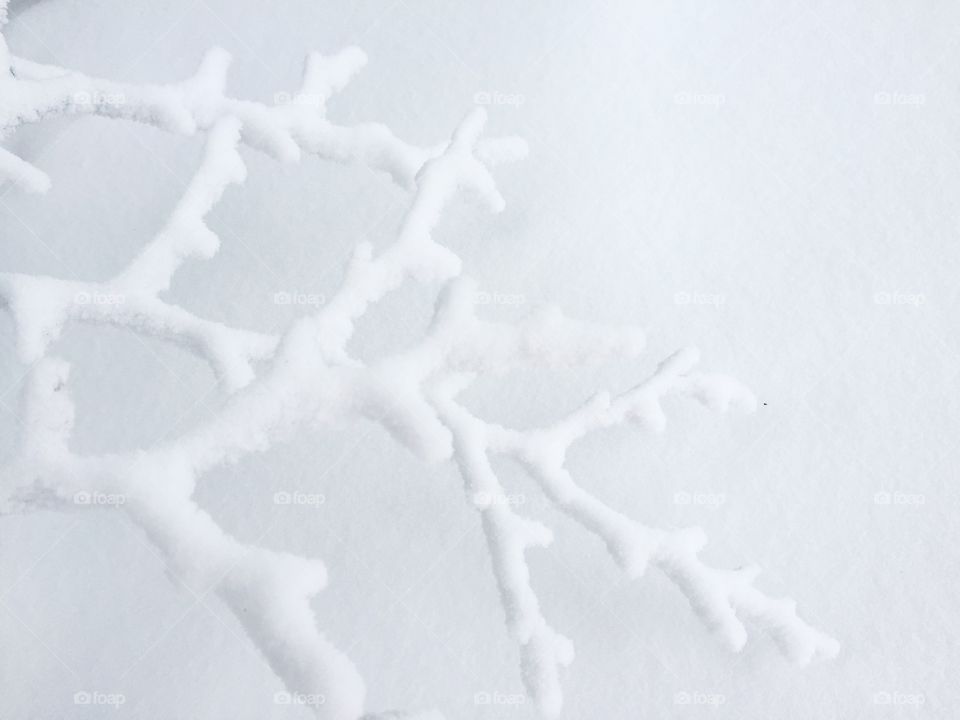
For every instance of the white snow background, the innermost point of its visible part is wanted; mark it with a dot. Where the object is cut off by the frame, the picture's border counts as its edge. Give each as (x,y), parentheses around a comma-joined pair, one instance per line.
(776,183)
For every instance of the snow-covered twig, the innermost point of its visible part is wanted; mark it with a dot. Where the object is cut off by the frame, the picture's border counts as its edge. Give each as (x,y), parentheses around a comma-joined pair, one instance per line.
(717,596)
(42,305)
(295,123)
(542,649)
(310,378)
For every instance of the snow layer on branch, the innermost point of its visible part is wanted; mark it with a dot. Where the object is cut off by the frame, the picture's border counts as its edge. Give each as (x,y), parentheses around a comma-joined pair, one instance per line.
(324,76)
(268,592)
(718,597)
(542,649)
(186,235)
(311,379)
(414,254)
(296,123)
(42,305)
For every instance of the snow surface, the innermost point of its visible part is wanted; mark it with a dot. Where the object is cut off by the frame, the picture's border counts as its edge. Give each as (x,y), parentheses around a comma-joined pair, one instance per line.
(775,183)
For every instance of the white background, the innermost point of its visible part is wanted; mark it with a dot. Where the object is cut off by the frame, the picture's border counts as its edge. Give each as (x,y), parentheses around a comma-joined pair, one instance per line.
(791,168)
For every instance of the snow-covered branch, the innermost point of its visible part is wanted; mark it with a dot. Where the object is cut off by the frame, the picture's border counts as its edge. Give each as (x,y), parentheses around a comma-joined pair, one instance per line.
(542,649)
(42,305)
(310,379)
(718,597)
(294,124)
